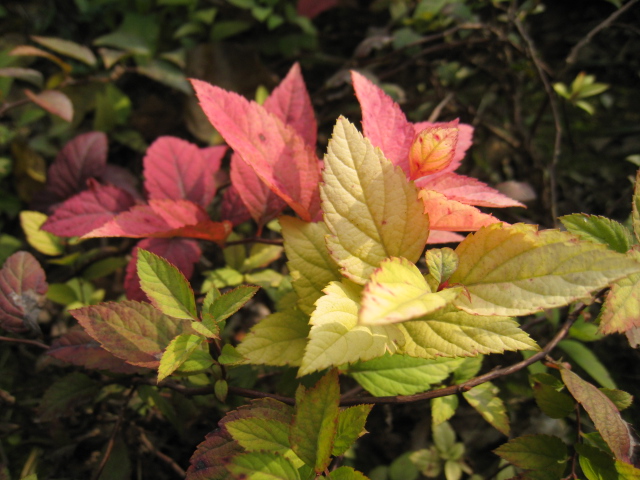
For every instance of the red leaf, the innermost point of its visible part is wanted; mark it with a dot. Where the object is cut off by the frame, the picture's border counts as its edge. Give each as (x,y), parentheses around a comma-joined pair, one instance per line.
(383,123)
(465,139)
(276,152)
(88,210)
(82,158)
(466,190)
(450,215)
(122,178)
(233,208)
(78,348)
(178,170)
(313,8)
(209,460)
(181,252)
(22,286)
(134,331)
(440,236)
(54,102)
(290,102)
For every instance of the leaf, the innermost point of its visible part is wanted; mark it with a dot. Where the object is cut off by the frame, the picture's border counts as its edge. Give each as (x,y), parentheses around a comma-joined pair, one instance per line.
(451,215)
(68,48)
(546,391)
(29,50)
(484,398)
(88,210)
(166,286)
(336,338)
(621,309)
(516,270)
(346,473)
(262,466)
(260,256)
(541,453)
(599,229)
(455,333)
(400,374)
(67,394)
(605,416)
(398,292)
(465,140)
(208,461)
(22,288)
(267,144)
(441,262)
(621,399)
(310,265)
(42,241)
(83,157)
(369,207)
(25,74)
(635,213)
(134,331)
(178,351)
(587,360)
(232,207)
(178,170)
(351,423)
(54,102)
(443,408)
(432,150)
(165,73)
(315,422)
(231,302)
(263,434)
(278,339)
(383,123)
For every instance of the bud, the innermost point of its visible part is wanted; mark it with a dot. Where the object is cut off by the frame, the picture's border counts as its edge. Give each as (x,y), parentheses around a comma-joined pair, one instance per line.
(432,151)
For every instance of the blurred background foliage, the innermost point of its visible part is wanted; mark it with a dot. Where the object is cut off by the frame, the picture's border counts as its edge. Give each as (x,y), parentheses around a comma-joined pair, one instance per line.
(515,70)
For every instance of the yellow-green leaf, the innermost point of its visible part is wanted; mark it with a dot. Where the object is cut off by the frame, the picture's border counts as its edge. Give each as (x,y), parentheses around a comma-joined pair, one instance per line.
(516,270)
(42,241)
(372,211)
(442,262)
(177,352)
(398,292)
(484,398)
(621,309)
(635,215)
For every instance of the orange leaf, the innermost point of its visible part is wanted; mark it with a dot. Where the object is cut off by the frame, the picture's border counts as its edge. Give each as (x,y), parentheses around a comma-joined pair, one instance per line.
(432,151)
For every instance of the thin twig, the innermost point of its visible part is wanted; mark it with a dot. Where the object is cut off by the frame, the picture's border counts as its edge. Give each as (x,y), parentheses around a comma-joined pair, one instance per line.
(436,111)
(165,458)
(243,241)
(8,106)
(24,340)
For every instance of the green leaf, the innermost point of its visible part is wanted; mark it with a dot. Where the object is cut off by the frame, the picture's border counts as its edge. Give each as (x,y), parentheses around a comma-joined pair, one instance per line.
(8,246)
(104,267)
(199,361)
(336,338)
(596,464)
(468,369)
(398,292)
(42,241)
(541,453)
(315,422)
(68,48)
(453,333)
(635,214)
(177,352)
(627,471)
(621,309)
(346,473)
(262,466)
(221,278)
(350,427)
(209,330)
(546,391)
(484,398)
(443,408)
(66,394)
(444,437)
(310,265)
(402,468)
(221,389)
(231,302)
(428,461)
(278,339)
(587,360)
(400,374)
(372,211)
(230,356)
(603,413)
(621,399)
(516,270)
(260,256)
(442,262)
(166,286)
(599,229)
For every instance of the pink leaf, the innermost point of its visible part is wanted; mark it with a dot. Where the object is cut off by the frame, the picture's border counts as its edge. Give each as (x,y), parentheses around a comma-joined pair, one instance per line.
(290,102)
(233,208)
(450,215)
(313,8)
(82,158)
(465,139)
(178,170)
(181,252)
(432,151)
(88,210)
(122,178)
(78,348)
(22,287)
(466,190)
(440,236)
(54,102)
(383,123)
(276,152)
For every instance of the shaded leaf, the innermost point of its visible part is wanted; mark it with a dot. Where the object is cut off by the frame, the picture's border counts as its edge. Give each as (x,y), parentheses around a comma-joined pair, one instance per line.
(546,391)
(233,208)
(542,453)
(25,74)
(68,48)
(443,408)
(465,139)
(29,50)
(598,229)
(484,398)
(596,464)
(441,262)
(587,360)
(54,102)
(67,394)
(207,462)
(621,309)
(621,399)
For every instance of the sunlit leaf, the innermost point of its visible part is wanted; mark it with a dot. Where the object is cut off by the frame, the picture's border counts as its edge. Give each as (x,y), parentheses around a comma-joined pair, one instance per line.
(598,229)
(484,398)
(177,352)
(41,240)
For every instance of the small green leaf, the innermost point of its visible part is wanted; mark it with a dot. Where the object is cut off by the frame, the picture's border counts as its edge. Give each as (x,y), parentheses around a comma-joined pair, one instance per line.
(444,437)
(596,464)
(346,473)
(166,286)
(177,352)
(262,466)
(402,468)
(260,255)
(42,241)
(68,48)
(210,330)
(442,262)
(428,461)
(540,453)
(66,394)
(104,267)
(621,399)
(468,369)
(546,391)
(199,361)
(350,427)
(8,246)
(443,408)
(222,278)
(484,398)
(231,302)
(221,389)
(599,229)
(230,356)
(587,360)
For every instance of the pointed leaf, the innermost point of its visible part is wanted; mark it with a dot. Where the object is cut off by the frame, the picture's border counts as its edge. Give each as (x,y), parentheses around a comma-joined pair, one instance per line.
(484,398)
(400,374)
(346,473)
(516,270)
(177,352)
(465,139)
(315,422)
(432,151)
(441,262)
(166,286)
(621,309)
(541,453)
(261,256)
(136,332)
(68,48)
(546,391)
(278,339)
(454,333)
(54,102)
(383,123)
(599,229)
(22,288)
(310,265)
(351,423)
(621,399)
(67,394)
(443,408)
(398,292)
(208,461)
(178,170)
(587,360)
(596,464)
(370,208)
(267,144)
(29,50)
(451,215)
(41,240)
(603,413)
(233,208)
(336,338)
(88,210)
(231,302)
(262,466)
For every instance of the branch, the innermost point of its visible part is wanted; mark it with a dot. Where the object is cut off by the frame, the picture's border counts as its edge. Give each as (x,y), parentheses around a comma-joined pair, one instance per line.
(165,458)
(268,241)
(24,340)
